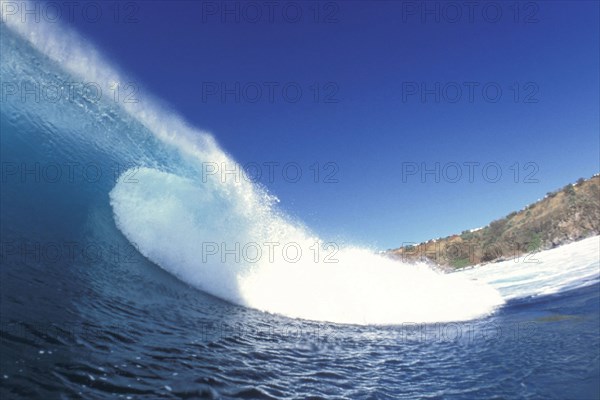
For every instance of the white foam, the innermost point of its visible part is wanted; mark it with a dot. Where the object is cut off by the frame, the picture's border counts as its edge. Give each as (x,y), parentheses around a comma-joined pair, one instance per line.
(173,219)
(570,266)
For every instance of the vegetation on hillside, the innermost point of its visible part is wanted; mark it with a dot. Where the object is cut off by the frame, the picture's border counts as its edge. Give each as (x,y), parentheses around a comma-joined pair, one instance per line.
(563,216)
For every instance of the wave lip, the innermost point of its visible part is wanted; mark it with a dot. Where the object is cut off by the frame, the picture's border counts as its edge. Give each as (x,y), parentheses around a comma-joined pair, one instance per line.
(173,220)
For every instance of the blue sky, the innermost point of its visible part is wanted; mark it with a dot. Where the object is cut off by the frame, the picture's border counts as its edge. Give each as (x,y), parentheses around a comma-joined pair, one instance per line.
(376,67)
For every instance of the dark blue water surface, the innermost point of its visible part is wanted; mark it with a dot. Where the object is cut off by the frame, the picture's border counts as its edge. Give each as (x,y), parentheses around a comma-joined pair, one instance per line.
(84,315)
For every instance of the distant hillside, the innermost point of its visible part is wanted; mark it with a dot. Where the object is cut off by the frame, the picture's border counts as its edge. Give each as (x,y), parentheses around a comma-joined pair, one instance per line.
(563,216)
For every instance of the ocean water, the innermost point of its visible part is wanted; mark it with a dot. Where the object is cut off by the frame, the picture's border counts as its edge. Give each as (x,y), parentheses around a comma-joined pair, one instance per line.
(111,285)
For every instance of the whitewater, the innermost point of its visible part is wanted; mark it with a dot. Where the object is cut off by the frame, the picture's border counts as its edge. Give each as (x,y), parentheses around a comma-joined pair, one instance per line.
(173,211)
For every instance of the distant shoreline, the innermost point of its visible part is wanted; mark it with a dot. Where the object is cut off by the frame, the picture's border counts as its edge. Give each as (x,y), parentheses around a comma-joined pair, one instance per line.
(563,216)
